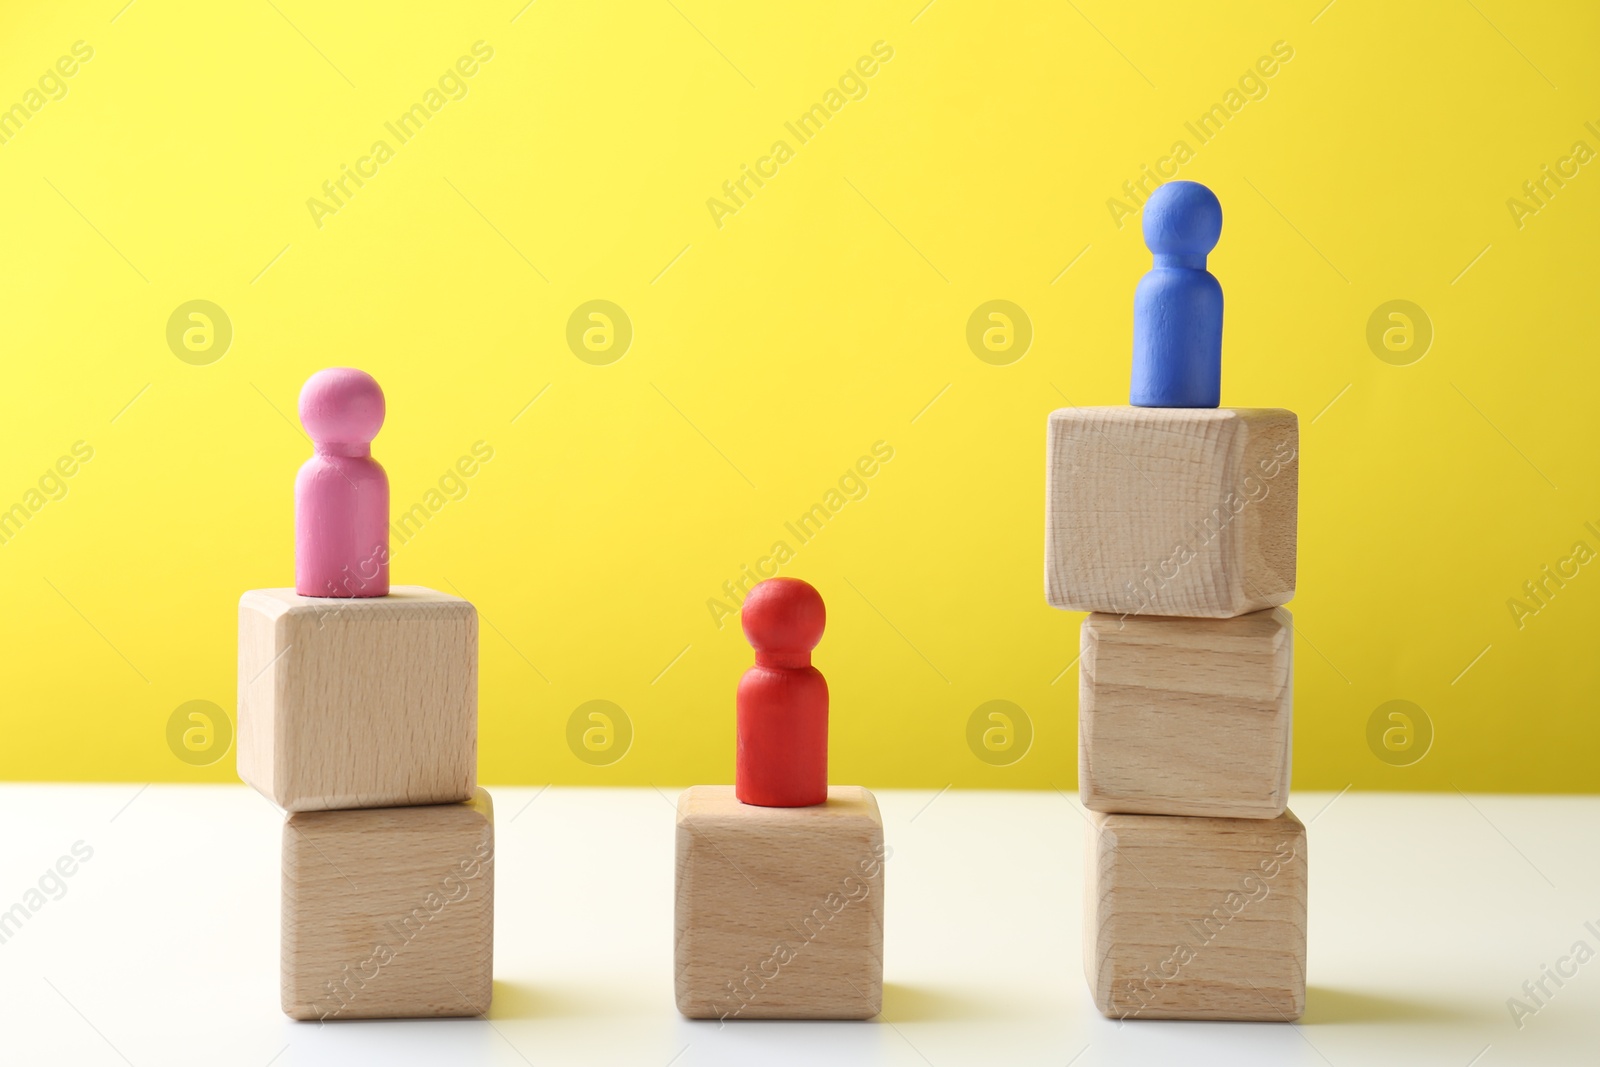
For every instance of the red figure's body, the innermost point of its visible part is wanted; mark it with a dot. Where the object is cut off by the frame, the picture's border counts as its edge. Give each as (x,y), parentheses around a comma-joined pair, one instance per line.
(783,700)
(341,495)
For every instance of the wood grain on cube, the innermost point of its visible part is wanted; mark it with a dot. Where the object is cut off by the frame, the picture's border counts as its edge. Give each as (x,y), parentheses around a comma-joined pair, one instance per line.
(1186,716)
(358,703)
(779,910)
(1167,511)
(389,912)
(1188,918)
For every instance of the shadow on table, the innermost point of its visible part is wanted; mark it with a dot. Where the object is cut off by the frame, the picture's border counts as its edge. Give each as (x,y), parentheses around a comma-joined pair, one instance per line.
(1326,1007)
(913,1004)
(901,1003)
(516,1000)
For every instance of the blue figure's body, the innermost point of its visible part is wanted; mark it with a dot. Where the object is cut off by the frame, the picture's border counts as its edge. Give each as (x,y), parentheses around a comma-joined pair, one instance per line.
(1177,309)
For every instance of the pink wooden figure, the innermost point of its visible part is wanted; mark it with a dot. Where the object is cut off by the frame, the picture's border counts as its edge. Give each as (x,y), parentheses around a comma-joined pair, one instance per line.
(341,495)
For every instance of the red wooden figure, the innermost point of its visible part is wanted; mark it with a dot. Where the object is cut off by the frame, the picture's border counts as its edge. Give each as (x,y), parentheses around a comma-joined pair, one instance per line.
(783,700)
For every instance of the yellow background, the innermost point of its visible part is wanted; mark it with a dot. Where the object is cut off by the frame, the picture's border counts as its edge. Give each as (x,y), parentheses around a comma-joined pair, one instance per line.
(772,352)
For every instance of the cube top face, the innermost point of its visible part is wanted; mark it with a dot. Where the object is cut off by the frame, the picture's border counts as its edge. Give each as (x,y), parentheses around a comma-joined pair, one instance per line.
(389,912)
(413,600)
(1171,511)
(850,809)
(1188,918)
(779,910)
(1186,716)
(356,703)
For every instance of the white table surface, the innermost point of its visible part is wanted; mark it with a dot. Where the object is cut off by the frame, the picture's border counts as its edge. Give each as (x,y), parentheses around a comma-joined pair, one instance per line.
(1426,913)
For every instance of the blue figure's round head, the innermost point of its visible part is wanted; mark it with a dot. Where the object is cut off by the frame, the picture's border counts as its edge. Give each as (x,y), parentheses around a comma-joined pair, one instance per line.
(1182,219)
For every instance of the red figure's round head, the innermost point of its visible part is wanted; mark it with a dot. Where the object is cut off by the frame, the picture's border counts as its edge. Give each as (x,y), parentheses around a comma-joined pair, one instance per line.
(783,620)
(342,409)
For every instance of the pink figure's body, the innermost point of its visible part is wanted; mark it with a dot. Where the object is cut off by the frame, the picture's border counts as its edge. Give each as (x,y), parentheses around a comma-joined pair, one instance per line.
(341,495)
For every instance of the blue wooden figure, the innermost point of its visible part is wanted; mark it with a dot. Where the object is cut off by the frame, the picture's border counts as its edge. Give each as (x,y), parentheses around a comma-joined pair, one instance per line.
(1177,309)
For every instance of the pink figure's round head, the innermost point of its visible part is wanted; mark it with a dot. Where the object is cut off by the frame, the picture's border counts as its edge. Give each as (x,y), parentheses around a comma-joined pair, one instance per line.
(342,409)
(783,620)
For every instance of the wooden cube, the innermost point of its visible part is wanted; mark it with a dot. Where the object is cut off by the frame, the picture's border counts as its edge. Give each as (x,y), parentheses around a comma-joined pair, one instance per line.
(358,703)
(779,910)
(1188,918)
(1186,716)
(389,912)
(1171,511)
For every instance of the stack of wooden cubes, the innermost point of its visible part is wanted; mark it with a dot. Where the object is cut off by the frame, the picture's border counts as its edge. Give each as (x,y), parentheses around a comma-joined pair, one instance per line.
(359,717)
(1175,528)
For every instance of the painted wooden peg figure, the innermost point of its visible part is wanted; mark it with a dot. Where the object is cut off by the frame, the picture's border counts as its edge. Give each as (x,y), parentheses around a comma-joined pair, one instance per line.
(782,703)
(341,495)
(1177,308)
